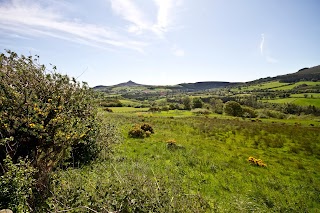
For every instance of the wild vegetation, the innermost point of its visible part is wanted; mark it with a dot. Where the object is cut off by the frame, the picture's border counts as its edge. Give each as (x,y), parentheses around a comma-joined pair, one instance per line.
(67,148)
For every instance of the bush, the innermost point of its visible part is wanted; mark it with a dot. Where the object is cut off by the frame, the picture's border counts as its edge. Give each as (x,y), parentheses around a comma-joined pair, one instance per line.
(257,162)
(137,132)
(233,108)
(266,113)
(197,103)
(107,109)
(141,131)
(44,116)
(248,112)
(16,185)
(147,127)
(216,105)
(154,109)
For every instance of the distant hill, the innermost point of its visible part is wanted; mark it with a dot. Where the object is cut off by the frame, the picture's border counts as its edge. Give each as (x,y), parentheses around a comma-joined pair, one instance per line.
(125,84)
(206,85)
(128,84)
(305,74)
(184,86)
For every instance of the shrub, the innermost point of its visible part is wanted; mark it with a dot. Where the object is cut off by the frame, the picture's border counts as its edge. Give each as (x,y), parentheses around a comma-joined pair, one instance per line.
(248,112)
(107,109)
(44,116)
(147,127)
(154,109)
(172,145)
(137,132)
(141,131)
(216,105)
(197,103)
(257,162)
(16,185)
(233,108)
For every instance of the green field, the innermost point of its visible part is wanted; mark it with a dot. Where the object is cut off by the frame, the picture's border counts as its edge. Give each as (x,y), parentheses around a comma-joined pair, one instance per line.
(128,109)
(276,85)
(299,101)
(313,95)
(268,85)
(208,169)
(291,86)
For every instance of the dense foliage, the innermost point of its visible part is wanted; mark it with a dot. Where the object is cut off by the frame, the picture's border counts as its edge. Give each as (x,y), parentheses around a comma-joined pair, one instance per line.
(233,108)
(45,118)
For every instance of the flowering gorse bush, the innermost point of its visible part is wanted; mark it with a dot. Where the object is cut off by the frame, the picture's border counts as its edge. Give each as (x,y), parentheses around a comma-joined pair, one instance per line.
(141,131)
(45,117)
(257,162)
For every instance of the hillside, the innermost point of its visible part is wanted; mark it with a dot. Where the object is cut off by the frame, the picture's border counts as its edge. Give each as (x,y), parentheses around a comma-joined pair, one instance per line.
(180,87)
(305,74)
(206,85)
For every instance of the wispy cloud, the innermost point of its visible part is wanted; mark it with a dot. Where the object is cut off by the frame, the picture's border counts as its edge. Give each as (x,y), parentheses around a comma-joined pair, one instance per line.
(139,19)
(261,44)
(264,51)
(27,18)
(131,13)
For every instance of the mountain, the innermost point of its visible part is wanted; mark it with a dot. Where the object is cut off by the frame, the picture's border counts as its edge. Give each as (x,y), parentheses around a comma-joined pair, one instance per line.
(125,84)
(304,74)
(128,84)
(184,86)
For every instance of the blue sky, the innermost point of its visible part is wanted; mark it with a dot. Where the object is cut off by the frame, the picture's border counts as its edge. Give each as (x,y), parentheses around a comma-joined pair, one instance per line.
(164,42)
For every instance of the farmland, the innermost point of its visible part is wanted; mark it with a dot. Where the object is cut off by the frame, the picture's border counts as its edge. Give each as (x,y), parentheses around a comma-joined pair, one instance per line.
(208,164)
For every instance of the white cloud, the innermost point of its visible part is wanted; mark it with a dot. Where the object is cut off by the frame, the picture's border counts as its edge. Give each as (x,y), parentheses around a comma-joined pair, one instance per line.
(261,44)
(265,53)
(141,21)
(51,18)
(130,12)
(27,18)
(163,17)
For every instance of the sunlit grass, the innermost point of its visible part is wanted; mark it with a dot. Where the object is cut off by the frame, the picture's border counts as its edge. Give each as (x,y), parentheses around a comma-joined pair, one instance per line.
(291,86)
(127,109)
(214,160)
(299,101)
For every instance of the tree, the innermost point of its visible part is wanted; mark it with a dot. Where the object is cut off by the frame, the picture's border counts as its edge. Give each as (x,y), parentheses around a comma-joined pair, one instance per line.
(197,103)
(233,108)
(216,105)
(186,101)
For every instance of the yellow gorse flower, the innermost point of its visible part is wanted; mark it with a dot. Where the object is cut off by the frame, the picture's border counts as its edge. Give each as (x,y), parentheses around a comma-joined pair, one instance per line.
(257,162)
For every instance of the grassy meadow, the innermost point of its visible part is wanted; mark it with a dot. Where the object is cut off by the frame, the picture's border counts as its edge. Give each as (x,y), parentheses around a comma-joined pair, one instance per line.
(298,101)
(200,164)
(276,85)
